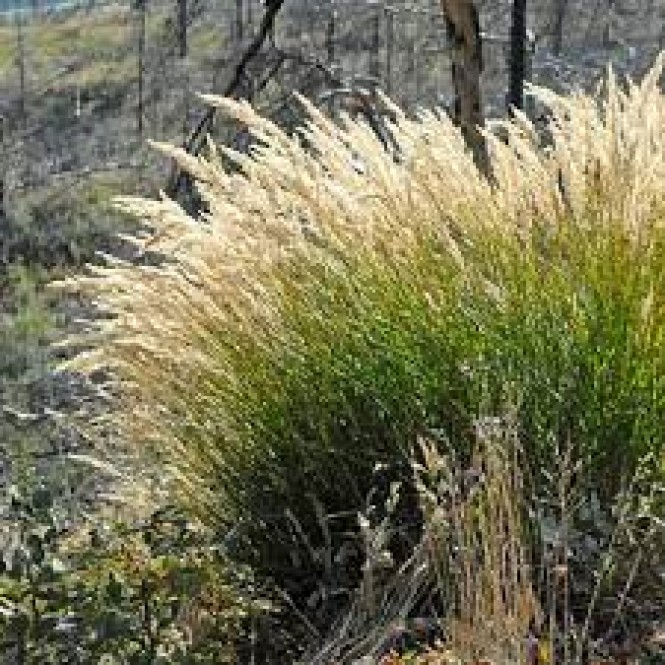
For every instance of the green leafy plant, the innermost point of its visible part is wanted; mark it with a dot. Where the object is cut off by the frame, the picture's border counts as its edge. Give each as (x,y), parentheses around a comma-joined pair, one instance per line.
(153,593)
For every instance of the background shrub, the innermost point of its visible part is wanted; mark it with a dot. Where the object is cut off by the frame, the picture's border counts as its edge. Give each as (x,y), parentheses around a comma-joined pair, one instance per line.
(154,591)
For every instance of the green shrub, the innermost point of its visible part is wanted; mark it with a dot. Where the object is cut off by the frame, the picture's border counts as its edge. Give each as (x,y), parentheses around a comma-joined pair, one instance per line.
(26,328)
(338,300)
(64,223)
(25,324)
(155,591)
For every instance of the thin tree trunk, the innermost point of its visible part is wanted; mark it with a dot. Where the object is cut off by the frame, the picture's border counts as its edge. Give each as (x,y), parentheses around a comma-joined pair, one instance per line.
(240,21)
(330,35)
(414,69)
(561,7)
(518,38)
(463,28)
(20,61)
(374,67)
(183,52)
(608,33)
(141,64)
(3,169)
(390,46)
(182,28)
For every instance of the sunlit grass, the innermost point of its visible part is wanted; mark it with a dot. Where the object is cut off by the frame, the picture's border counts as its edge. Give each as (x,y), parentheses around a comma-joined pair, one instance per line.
(337,301)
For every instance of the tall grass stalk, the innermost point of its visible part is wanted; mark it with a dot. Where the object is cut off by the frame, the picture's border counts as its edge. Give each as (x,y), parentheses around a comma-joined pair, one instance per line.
(476,538)
(501,600)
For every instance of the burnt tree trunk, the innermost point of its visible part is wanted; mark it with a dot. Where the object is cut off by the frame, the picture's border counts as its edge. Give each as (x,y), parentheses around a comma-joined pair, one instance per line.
(330,35)
(182,28)
(140,6)
(463,26)
(518,38)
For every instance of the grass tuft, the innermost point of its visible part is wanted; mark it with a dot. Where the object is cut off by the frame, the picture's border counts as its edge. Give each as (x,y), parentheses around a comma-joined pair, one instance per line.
(337,302)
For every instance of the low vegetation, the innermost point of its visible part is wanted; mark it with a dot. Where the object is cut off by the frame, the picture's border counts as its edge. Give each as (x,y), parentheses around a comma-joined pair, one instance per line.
(157,591)
(79,43)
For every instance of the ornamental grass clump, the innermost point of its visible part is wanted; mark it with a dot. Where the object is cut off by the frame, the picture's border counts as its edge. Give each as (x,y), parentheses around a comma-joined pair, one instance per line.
(337,300)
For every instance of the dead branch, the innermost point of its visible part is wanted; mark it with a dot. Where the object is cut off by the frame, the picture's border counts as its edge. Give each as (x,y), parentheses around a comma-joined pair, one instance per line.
(195,142)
